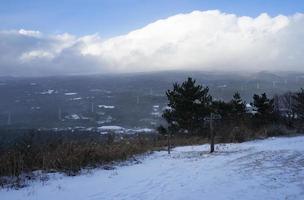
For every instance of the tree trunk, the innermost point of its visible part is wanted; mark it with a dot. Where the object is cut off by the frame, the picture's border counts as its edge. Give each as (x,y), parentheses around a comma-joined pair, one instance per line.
(169,142)
(212,143)
(211,134)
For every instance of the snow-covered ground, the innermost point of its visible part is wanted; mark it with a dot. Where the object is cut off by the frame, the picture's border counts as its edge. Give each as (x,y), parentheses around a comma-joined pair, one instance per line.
(264,169)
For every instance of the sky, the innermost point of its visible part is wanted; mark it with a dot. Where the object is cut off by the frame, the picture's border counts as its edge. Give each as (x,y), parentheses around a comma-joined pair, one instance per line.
(116,17)
(96,36)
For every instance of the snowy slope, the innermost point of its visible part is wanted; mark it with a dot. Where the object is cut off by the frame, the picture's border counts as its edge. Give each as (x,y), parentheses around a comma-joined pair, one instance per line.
(267,169)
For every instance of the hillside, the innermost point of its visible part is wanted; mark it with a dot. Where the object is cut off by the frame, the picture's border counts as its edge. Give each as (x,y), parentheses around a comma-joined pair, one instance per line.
(261,169)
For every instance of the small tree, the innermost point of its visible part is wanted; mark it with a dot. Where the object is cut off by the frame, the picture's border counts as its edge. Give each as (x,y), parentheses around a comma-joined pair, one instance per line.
(286,108)
(264,109)
(298,107)
(223,109)
(238,107)
(235,109)
(231,113)
(188,104)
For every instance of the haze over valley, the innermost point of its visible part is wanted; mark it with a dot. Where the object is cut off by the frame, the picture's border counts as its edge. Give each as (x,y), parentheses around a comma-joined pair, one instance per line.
(132,101)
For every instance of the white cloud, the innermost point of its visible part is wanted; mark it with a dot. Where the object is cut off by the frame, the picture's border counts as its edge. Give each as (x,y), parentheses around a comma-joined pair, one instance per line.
(30,33)
(209,40)
(38,54)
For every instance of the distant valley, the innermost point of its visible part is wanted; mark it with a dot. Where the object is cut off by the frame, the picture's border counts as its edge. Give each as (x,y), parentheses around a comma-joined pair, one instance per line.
(130,101)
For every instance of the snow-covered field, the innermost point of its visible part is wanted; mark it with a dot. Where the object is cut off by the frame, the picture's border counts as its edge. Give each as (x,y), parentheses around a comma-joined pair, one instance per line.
(264,169)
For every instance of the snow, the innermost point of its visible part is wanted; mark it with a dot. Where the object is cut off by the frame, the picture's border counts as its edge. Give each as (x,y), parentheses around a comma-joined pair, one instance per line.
(107,129)
(110,128)
(250,109)
(166,108)
(262,169)
(197,101)
(106,107)
(47,92)
(248,106)
(144,130)
(139,130)
(70,93)
(157,114)
(76,99)
(73,116)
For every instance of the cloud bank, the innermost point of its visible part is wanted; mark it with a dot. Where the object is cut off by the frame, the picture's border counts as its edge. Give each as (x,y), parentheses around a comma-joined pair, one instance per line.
(200,40)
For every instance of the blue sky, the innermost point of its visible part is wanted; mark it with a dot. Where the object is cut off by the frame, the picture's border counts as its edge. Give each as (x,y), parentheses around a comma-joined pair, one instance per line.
(115,17)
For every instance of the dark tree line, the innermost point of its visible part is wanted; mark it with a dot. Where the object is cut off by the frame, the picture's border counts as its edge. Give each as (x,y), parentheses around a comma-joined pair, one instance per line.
(190,104)
(298,107)
(290,106)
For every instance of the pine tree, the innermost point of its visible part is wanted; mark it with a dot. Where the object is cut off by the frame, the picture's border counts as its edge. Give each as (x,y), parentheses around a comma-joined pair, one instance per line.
(223,109)
(189,103)
(298,107)
(264,109)
(238,107)
(233,110)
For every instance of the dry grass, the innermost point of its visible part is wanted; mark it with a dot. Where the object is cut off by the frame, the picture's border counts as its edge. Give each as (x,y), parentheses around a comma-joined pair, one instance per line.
(69,153)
